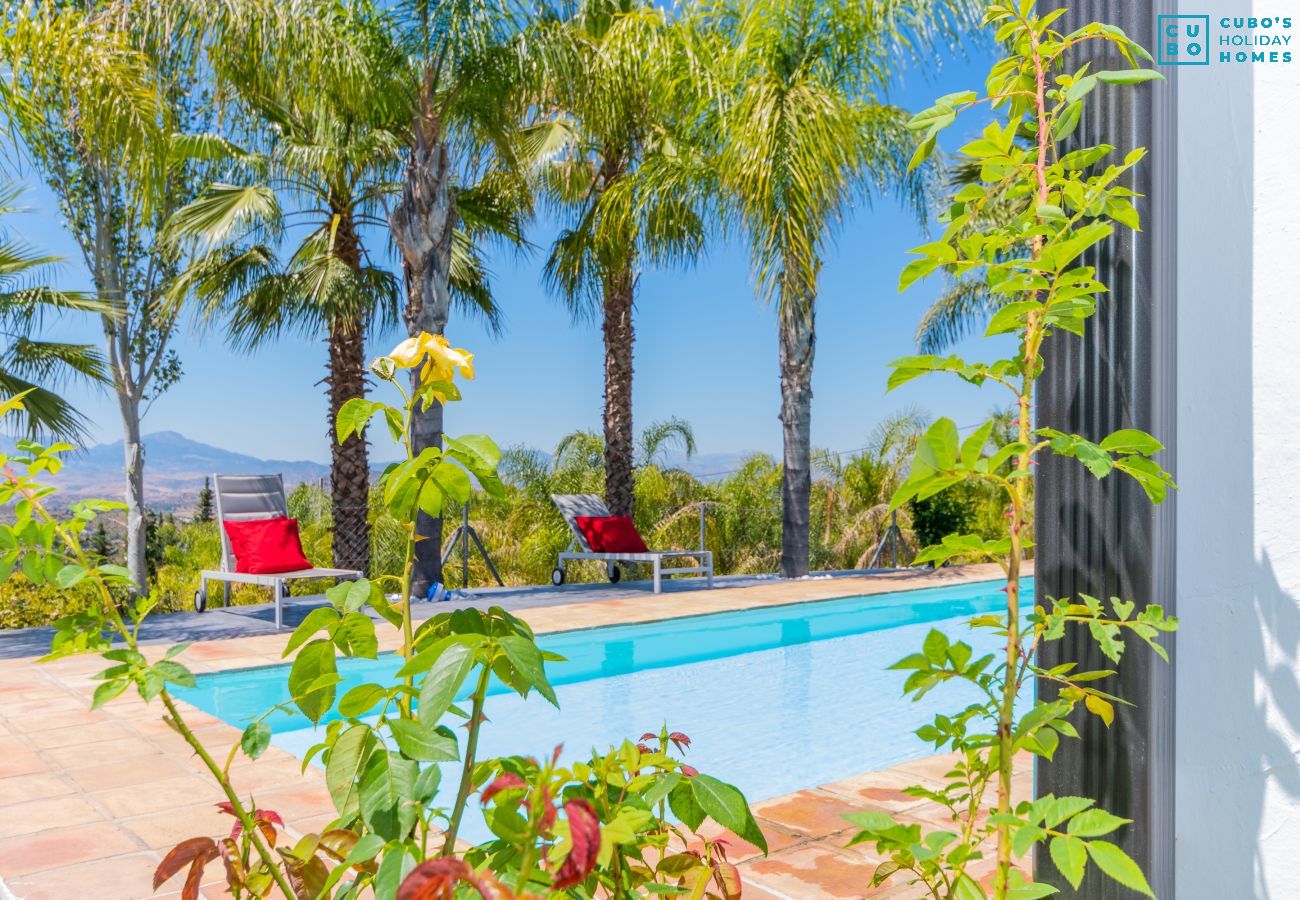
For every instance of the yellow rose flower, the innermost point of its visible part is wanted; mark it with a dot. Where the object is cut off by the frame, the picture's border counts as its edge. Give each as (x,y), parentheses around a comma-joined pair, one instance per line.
(440,360)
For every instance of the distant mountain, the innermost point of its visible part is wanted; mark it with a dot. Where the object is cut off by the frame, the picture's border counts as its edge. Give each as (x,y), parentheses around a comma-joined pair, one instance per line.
(175,467)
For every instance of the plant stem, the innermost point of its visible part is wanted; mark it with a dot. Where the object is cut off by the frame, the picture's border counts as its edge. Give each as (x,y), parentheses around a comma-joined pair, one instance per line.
(245,819)
(467,770)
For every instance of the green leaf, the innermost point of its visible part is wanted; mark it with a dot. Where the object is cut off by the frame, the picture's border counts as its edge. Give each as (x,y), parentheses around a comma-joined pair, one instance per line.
(70,575)
(354,416)
(1081,88)
(1094,823)
(526,660)
(347,760)
(439,688)
(422,743)
(107,691)
(452,480)
(314,662)
(255,740)
(320,617)
(478,452)
(1119,866)
(1071,858)
(1131,440)
(355,635)
(726,805)
(385,795)
(361,699)
(922,152)
(1129,76)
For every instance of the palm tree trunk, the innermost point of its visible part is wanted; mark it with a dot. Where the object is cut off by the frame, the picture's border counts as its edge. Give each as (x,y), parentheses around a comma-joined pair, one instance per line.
(349,461)
(798,341)
(619,477)
(422,225)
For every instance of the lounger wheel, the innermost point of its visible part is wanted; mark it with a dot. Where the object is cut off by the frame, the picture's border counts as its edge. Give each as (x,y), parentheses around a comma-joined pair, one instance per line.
(615,573)
(200,600)
(557,576)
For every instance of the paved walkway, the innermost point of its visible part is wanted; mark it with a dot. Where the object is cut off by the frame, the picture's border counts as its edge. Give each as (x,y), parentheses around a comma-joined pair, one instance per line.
(90,801)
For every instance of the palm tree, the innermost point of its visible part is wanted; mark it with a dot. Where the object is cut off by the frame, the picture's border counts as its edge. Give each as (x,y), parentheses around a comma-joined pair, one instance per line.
(804,131)
(28,365)
(618,106)
(326,152)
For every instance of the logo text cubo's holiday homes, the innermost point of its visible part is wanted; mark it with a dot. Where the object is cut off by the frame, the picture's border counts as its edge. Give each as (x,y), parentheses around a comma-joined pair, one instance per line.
(1198,40)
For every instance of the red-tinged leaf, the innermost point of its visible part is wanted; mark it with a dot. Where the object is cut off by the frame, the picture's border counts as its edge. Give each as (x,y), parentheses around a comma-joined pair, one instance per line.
(643,748)
(268,815)
(437,880)
(649,737)
(186,853)
(584,835)
(679,740)
(194,880)
(689,771)
(234,863)
(508,781)
(227,807)
(727,877)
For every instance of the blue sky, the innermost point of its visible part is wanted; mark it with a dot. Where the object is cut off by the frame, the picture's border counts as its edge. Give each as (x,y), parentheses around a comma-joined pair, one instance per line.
(706,349)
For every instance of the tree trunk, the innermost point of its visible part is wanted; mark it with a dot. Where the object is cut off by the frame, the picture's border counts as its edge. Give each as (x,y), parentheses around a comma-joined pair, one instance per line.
(619,476)
(422,226)
(349,461)
(136,519)
(798,342)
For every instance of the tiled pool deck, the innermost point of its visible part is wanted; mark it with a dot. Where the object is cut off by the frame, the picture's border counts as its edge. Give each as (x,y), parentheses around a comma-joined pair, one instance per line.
(89,801)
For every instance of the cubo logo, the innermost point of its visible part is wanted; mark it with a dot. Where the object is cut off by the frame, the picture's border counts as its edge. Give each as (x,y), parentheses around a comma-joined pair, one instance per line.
(1183,40)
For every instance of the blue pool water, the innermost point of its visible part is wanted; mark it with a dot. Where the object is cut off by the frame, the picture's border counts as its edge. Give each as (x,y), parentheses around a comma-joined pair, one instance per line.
(774,699)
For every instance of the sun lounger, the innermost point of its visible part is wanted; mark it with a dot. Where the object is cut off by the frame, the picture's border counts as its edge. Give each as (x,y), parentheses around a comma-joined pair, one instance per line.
(241,498)
(571,506)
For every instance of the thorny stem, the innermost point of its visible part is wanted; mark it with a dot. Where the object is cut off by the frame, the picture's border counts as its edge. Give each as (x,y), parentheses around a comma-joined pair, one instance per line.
(1020,514)
(245,818)
(467,770)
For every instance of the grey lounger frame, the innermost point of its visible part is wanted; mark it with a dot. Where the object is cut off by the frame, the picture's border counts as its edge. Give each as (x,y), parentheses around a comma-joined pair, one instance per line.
(573,505)
(239,499)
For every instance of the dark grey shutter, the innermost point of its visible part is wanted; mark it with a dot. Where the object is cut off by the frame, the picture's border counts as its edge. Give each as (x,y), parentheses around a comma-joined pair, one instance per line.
(1104,537)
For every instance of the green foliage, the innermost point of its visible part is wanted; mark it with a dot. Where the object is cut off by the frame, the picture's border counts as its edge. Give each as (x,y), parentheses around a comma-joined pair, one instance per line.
(1019,228)
(937,516)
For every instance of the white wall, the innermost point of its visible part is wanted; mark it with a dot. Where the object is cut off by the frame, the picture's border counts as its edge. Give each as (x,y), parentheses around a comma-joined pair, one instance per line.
(1238,657)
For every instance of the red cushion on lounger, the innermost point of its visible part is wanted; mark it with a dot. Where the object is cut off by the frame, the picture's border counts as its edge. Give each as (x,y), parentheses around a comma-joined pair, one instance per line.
(611,534)
(266,546)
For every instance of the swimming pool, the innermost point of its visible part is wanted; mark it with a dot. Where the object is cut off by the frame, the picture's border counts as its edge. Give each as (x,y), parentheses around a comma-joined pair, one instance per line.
(774,699)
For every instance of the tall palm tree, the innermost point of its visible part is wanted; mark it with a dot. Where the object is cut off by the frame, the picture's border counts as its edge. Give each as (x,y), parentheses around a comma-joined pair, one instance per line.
(805,130)
(30,365)
(325,151)
(618,113)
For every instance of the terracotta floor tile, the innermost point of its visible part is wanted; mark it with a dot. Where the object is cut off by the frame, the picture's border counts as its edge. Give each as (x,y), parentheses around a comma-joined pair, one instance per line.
(141,770)
(40,815)
(99,753)
(163,830)
(813,813)
(162,794)
(40,786)
(57,720)
(812,871)
(933,768)
(881,790)
(30,853)
(119,878)
(88,732)
(21,763)
(297,803)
